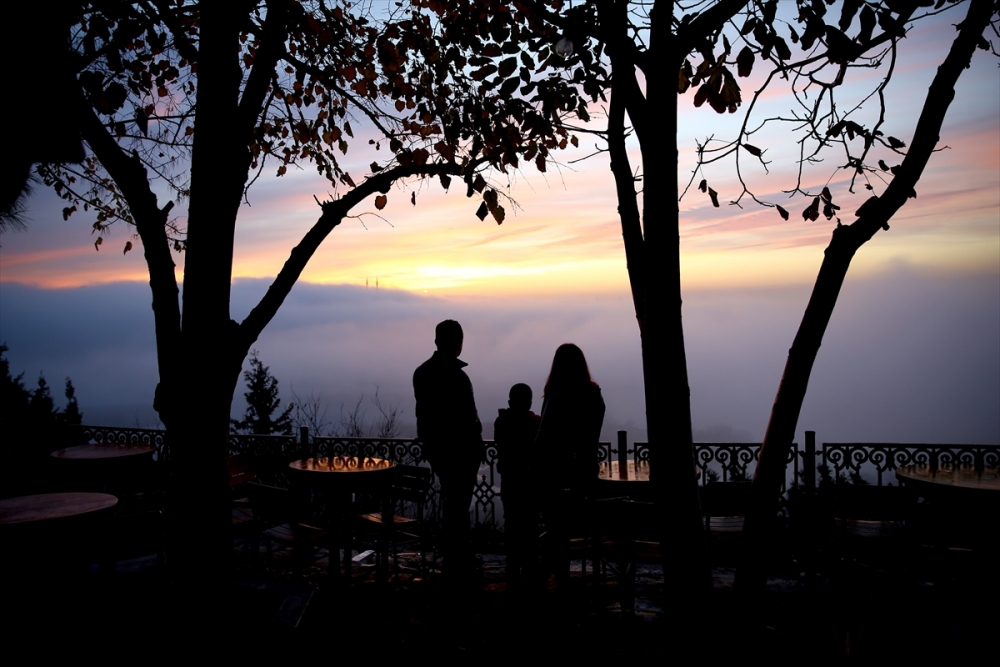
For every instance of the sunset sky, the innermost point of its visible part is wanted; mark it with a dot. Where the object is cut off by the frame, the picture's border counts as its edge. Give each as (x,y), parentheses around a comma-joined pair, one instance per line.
(912,354)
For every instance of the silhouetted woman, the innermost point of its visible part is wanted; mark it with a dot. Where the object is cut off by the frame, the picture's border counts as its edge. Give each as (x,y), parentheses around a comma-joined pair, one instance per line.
(572,416)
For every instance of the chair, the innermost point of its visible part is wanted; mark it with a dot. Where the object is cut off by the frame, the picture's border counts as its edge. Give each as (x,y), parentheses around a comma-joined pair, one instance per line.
(871,526)
(404,523)
(277,509)
(724,507)
(245,526)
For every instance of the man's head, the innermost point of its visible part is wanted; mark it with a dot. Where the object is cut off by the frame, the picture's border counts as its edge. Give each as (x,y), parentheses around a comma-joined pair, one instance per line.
(520,397)
(448,337)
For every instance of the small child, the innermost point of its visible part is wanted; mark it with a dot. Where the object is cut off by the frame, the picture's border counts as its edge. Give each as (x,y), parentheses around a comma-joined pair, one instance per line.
(514,433)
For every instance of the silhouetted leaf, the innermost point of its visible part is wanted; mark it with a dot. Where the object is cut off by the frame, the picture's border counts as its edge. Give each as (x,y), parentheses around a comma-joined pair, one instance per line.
(701,95)
(482,211)
(128,246)
(98,242)
(748,27)
(781,48)
(753,150)
(782,212)
(847,13)
(744,61)
(381,201)
(499,214)
(826,194)
(867,21)
(683,82)
(142,121)
(811,212)
(882,165)
(445,180)
(413,198)
(703,186)
(507,67)
(896,143)
(715,197)
(479,183)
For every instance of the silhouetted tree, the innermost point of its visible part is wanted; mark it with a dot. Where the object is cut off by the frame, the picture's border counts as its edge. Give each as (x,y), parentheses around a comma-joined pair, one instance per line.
(37,405)
(72,414)
(232,90)
(262,403)
(654,50)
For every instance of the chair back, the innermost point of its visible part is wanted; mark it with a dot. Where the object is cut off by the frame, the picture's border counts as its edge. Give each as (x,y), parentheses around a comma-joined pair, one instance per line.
(240,471)
(411,483)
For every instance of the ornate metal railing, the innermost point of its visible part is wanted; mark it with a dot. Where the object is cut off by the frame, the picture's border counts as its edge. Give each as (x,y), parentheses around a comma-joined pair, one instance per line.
(865,461)
(872,462)
(116,435)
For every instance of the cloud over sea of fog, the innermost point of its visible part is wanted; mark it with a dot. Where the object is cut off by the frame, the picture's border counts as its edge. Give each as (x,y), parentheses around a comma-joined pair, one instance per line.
(909,356)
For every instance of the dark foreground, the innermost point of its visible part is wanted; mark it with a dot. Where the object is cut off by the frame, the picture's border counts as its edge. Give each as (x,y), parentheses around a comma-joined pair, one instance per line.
(944,609)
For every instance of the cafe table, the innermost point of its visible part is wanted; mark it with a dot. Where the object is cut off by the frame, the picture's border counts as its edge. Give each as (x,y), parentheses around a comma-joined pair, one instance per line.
(123,469)
(964,502)
(102,451)
(339,477)
(51,506)
(959,478)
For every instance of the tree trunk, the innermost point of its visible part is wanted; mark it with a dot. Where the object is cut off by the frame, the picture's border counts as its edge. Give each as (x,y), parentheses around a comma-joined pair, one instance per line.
(874,215)
(200,400)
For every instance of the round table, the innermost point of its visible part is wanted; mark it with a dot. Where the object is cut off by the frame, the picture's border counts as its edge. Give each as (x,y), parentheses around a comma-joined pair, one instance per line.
(47,506)
(963,503)
(341,476)
(95,451)
(610,471)
(954,477)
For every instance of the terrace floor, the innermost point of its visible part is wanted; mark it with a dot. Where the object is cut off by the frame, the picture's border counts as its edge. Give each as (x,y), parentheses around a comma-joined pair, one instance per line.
(856,613)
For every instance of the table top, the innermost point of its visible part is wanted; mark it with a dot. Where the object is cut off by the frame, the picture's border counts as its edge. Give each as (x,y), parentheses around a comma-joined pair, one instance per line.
(96,451)
(342,464)
(609,472)
(26,509)
(959,477)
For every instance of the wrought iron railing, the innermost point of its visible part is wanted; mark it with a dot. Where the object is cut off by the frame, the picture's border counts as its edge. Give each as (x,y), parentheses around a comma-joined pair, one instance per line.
(872,462)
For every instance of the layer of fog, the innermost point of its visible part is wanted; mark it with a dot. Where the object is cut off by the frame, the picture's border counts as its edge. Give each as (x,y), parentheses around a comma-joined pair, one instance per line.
(908,357)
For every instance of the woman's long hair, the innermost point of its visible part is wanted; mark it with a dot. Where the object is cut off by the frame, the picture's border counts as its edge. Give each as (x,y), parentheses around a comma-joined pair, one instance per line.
(569,370)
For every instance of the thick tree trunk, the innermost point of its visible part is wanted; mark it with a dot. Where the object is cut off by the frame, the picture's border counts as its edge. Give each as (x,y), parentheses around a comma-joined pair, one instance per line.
(664,361)
(653,256)
(874,215)
(200,400)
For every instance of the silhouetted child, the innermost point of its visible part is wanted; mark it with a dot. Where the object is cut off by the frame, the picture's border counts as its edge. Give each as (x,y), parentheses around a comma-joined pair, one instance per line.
(514,433)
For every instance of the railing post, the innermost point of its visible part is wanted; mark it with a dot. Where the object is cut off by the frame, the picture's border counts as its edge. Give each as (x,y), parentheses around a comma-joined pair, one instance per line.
(810,463)
(304,438)
(622,454)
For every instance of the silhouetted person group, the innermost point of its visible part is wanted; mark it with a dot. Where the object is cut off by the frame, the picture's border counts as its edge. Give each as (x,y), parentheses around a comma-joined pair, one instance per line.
(547,463)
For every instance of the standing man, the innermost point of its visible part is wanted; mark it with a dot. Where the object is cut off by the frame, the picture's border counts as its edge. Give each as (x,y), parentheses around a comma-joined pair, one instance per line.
(448,426)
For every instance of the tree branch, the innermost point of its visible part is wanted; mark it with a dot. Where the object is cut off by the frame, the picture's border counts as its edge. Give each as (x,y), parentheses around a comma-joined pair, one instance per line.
(150,222)
(271,50)
(628,207)
(707,23)
(333,214)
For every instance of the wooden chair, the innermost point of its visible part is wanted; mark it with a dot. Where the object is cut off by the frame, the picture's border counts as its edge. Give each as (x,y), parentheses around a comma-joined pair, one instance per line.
(279,515)
(871,525)
(245,526)
(404,523)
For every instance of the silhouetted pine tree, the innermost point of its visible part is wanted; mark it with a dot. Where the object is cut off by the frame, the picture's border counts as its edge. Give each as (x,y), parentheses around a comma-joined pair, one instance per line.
(262,403)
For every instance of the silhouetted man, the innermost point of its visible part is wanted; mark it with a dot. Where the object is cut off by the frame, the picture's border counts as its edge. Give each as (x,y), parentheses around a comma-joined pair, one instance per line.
(449,428)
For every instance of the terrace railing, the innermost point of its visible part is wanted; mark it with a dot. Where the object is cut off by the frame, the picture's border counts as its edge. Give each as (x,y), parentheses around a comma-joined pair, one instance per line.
(874,463)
